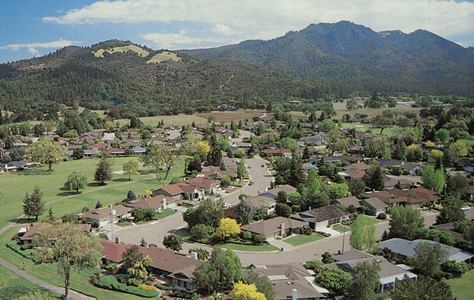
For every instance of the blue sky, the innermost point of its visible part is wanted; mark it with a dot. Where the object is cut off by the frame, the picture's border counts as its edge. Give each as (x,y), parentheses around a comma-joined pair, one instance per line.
(36,27)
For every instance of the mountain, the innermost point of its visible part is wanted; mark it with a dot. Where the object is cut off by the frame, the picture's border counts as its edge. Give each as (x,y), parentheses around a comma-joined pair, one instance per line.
(321,60)
(360,59)
(133,79)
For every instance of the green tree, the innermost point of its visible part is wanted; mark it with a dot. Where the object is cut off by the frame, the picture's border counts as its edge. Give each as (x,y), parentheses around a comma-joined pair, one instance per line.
(428,258)
(433,178)
(103,172)
(283,210)
(421,289)
(173,242)
(33,205)
(336,142)
(336,280)
(208,212)
(405,223)
(458,149)
(201,232)
(374,178)
(443,135)
(363,236)
(159,157)
(131,256)
(451,211)
(71,249)
(220,272)
(138,272)
(131,168)
(365,281)
(414,153)
(356,186)
(337,190)
(75,181)
(241,170)
(245,213)
(47,152)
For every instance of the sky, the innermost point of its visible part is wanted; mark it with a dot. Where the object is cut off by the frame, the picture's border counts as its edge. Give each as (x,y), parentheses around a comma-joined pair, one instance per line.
(36,27)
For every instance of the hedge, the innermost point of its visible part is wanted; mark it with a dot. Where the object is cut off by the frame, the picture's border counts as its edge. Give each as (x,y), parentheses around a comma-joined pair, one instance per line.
(111,283)
(27,253)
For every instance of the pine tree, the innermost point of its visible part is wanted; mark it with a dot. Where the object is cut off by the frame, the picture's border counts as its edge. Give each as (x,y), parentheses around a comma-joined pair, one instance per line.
(103,172)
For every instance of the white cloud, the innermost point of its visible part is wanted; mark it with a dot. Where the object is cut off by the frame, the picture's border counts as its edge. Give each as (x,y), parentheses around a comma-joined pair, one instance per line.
(266,19)
(32,48)
(181,40)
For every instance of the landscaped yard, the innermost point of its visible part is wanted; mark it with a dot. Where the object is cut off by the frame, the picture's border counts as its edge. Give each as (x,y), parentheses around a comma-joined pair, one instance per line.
(371,219)
(49,273)
(63,202)
(13,286)
(463,288)
(301,239)
(341,228)
(249,248)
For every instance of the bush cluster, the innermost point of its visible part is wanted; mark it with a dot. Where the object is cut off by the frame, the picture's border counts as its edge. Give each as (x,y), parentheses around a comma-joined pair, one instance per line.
(111,283)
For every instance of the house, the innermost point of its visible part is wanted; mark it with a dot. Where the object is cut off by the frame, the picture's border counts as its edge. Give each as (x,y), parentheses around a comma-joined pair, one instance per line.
(411,168)
(108,137)
(116,152)
(176,269)
(319,218)
(348,202)
(401,249)
(352,174)
(375,206)
(386,197)
(276,227)
(415,197)
(158,203)
(182,190)
(292,281)
(205,184)
(359,166)
(91,153)
(27,234)
(316,139)
(389,163)
(261,201)
(468,192)
(273,193)
(389,274)
(138,150)
(19,165)
(105,215)
(451,230)
(271,152)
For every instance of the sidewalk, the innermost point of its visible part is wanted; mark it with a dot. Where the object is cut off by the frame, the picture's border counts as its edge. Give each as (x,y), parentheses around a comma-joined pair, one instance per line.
(280,244)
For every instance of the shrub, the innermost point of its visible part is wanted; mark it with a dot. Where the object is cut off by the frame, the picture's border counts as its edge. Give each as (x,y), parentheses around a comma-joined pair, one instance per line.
(247,235)
(259,239)
(455,268)
(315,265)
(147,287)
(382,216)
(111,283)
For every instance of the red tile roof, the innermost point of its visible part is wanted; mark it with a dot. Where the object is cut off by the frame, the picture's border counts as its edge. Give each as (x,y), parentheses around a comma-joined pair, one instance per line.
(202,182)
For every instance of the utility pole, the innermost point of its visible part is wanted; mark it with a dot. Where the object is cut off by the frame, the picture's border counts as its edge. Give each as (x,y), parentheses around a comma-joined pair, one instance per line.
(343,240)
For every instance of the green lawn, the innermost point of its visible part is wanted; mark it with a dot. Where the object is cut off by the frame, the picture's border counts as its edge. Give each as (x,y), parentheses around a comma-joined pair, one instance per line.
(388,131)
(13,286)
(249,248)
(49,273)
(340,109)
(371,219)
(463,288)
(15,185)
(341,228)
(301,239)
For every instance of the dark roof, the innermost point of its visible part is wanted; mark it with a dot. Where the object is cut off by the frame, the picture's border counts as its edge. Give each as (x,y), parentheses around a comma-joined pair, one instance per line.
(324,213)
(266,227)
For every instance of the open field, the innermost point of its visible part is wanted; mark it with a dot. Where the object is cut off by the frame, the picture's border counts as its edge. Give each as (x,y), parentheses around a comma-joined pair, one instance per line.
(340,108)
(15,185)
(13,286)
(301,239)
(463,288)
(178,120)
(228,116)
(49,273)
(249,248)
(388,131)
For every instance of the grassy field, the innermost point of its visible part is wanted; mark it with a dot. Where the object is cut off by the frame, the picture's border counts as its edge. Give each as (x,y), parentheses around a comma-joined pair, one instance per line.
(340,108)
(249,248)
(49,273)
(178,120)
(388,131)
(228,116)
(14,185)
(301,239)
(13,286)
(463,288)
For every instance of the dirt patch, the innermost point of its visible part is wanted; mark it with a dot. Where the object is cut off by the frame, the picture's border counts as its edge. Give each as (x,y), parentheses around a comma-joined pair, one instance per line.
(228,116)
(130,48)
(164,56)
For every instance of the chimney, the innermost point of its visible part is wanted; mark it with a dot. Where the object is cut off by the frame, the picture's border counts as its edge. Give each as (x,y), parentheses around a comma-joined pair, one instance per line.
(164,203)
(117,240)
(194,255)
(294,294)
(282,229)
